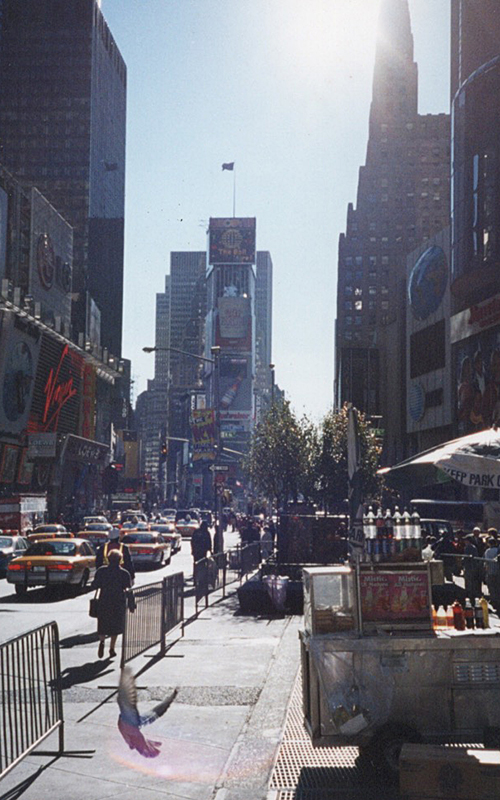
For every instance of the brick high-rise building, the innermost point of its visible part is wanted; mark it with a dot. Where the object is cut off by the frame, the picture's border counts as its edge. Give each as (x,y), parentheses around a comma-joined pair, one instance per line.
(402,200)
(62,128)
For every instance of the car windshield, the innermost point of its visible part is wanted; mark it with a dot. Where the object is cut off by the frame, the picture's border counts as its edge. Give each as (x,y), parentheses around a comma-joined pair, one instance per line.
(52,548)
(182,515)
(98,526)
(5,541)
(138,538)
(159,527)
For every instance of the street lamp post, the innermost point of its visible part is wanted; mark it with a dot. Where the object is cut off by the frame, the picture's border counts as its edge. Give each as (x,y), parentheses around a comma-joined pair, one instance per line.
(271,367)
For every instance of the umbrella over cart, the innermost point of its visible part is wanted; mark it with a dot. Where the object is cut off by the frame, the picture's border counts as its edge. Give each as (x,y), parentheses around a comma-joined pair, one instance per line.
(472,460)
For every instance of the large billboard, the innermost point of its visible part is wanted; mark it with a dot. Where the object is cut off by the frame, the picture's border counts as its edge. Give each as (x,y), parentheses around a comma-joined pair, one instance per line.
(19,353)
(232,240)
(51,257)
(234,324)
(57,394)
(235,389)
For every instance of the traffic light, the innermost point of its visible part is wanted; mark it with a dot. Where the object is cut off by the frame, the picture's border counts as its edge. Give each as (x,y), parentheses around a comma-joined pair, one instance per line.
(163,450)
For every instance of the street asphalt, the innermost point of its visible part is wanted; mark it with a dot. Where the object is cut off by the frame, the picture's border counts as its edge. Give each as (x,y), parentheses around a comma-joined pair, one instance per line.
(219,738)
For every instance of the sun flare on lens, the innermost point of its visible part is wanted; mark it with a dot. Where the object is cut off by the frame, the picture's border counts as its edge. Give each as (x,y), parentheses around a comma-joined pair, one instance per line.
(318,36)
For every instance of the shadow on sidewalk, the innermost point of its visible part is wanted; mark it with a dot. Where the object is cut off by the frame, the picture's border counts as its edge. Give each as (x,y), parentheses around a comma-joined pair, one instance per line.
(79,639)
(71,676)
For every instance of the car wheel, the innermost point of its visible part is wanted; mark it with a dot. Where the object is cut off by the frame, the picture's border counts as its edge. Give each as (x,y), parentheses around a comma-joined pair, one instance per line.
(21,590)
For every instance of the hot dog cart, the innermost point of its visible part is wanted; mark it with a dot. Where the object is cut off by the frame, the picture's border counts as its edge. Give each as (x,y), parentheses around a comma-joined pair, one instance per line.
(376,675)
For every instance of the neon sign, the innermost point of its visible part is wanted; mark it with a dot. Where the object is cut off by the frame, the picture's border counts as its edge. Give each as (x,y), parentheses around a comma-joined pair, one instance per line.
(57,394)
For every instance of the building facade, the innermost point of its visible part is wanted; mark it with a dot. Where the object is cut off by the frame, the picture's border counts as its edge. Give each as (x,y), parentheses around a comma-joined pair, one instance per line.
(402,201)
(263,329)
(62,129)
(475,267)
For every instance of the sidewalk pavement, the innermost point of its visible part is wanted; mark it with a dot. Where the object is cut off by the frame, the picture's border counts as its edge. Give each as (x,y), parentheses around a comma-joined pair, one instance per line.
(217,741)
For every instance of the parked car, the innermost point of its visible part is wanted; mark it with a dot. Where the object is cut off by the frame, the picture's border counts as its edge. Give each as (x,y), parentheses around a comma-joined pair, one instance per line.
(186,522)
(169,514)
(148,548)
(53,562)
(10,547)
(169,533)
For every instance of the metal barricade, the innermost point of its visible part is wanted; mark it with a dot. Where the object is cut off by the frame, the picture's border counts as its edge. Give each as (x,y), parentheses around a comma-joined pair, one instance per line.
(31,705)
(218,571)
(159,609)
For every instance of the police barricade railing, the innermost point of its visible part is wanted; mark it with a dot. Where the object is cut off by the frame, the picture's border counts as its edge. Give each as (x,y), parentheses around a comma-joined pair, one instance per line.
(31,705)
(159,608)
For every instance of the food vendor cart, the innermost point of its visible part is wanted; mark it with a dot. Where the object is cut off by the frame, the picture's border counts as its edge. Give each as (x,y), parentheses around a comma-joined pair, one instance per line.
(376,675)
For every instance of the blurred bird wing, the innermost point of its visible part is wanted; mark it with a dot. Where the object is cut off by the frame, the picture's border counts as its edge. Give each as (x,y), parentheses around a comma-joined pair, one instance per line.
(127,697)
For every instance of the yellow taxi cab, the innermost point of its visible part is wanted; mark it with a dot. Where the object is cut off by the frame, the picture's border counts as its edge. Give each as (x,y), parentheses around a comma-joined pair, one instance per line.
(147,548)
(48,532)
(53,562)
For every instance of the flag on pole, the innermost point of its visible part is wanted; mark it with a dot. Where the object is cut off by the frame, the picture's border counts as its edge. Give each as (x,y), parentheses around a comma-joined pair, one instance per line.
(229,166)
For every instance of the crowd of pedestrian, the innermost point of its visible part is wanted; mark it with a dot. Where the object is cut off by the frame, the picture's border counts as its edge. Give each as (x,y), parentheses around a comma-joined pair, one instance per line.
(475,556)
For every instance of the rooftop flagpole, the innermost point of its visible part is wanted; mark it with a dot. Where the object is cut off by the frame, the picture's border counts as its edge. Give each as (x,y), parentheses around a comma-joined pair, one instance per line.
(230,166)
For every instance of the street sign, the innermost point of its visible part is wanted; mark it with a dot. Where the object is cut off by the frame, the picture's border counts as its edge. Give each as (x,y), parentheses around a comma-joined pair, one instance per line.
(219,468)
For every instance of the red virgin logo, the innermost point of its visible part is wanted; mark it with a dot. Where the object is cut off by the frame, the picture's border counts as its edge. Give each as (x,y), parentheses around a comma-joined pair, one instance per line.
(57,394)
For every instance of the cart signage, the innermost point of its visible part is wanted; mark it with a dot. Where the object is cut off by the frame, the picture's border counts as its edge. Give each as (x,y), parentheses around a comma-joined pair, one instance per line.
(396,597)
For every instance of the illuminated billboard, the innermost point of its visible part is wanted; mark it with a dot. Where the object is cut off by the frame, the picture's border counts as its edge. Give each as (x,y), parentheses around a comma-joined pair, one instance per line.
(234,324)
(232,240)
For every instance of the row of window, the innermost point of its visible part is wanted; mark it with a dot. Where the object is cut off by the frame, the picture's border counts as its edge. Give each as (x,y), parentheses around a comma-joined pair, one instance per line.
(358,291)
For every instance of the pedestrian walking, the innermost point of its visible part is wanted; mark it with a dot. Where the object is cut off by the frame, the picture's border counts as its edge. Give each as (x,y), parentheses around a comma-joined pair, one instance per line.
(113,582)
(201,544)
(266,544)
(114,543)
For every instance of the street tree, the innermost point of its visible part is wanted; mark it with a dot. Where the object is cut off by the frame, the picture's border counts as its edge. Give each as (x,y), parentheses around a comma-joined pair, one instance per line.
(282,455)
(331,476)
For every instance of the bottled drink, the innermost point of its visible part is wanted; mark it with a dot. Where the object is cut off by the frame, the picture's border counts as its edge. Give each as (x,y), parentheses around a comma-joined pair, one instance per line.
(416,531)
(449,617)
(469,615)
(406,533)
(458,616)
(389,532)
(478,614)
(370,533)
(486,613)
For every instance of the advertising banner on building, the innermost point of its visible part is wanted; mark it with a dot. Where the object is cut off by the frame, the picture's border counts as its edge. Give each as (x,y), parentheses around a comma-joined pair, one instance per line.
(88,400)
(232,240)
(203,434)
(235,388)
(51,258)
(58,385)
(477,370)
(19,354)
(234,324)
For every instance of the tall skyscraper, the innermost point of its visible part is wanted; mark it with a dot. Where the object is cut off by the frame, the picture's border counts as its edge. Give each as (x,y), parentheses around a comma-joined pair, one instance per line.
(62,128)
(402,200)
(263,322)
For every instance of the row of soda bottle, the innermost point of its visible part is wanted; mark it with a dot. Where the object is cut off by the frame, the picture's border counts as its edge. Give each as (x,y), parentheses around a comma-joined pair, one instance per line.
(387,535)
(463,617)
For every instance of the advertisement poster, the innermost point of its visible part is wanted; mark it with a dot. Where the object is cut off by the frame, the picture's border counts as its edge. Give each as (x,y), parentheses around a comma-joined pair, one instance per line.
(57,391)
(232,240)
(203,433)
(19,351)
(395,596)
(25,470)
(234,324)
(477,370)
(235,388)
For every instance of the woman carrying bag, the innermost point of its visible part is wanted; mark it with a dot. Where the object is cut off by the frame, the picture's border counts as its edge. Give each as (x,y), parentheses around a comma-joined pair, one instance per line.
(114,584)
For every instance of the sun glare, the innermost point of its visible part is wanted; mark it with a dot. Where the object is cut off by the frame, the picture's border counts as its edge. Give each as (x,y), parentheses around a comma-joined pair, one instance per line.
(325,35)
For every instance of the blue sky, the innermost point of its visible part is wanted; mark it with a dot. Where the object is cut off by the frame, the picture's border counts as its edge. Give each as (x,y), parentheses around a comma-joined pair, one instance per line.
(283,89)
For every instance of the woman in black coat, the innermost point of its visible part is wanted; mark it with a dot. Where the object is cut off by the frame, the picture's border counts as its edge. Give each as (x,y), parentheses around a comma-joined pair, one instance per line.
(114,583)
